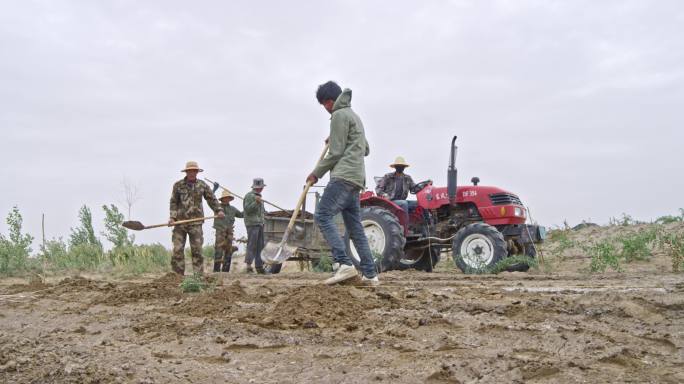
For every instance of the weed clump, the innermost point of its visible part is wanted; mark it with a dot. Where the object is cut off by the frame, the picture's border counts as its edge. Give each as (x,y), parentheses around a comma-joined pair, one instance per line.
(193,284)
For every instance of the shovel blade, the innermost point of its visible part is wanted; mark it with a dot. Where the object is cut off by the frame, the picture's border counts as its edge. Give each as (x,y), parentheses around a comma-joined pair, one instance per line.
(134,225)
(277,253)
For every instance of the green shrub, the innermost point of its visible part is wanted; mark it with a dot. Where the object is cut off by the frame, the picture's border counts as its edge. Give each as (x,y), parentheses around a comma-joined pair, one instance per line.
(673,244)
(194,283)
(510,261)
(139,259)
(562,239)
(637,246)
(624,221)
(16,249)
(84,233)
(324,263)
(81,257)
(603,255)
(114,230)
(667,219)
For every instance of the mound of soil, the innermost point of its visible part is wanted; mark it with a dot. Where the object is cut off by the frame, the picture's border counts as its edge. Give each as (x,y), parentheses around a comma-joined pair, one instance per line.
(215,303)
(319,306)
(162,288)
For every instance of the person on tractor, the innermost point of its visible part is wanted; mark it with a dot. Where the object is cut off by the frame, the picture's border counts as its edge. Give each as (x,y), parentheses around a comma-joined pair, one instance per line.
(396,186)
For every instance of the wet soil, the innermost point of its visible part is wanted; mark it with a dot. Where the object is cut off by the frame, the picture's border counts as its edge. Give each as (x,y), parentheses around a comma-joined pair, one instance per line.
(443,327)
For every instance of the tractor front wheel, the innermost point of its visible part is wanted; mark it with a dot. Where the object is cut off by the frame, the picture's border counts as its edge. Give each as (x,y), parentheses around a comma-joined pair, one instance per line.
(385,238)
(477,247)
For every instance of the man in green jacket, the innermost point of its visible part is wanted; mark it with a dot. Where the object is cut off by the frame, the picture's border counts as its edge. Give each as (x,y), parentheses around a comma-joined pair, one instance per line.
(253,208)
(186,203)
(345,162)
(223,247)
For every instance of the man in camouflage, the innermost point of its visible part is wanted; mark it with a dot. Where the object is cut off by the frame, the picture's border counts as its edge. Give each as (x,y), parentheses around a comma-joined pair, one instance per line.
(254,222)
(223,248)
(186,203)
(397,185)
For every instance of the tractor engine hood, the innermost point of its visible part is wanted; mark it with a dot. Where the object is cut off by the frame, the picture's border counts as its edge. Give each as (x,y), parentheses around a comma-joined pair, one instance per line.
(493,203)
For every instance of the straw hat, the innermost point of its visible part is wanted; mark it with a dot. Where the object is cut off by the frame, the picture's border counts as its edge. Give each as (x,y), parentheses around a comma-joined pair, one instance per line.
(399,161)
(258,183)
(192,165)
(226,194)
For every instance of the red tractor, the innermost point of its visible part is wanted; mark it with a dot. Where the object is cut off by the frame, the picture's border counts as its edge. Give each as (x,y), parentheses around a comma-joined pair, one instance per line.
(481,225)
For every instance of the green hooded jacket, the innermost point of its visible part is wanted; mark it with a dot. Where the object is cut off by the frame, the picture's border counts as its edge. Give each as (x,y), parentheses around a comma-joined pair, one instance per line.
(348,144)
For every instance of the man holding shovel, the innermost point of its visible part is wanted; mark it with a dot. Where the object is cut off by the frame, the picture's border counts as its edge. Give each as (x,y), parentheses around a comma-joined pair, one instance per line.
(345,161)
(186,203)
(253,207)
(223,248)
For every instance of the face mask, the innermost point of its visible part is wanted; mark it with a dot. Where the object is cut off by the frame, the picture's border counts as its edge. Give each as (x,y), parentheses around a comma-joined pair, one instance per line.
(399,169)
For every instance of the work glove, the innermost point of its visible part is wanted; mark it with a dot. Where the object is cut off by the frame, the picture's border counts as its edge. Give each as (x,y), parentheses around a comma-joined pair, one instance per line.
(216,186)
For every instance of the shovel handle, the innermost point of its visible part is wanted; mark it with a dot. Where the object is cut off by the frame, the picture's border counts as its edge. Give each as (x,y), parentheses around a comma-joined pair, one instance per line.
(303,196)
(180,222)
(242,198)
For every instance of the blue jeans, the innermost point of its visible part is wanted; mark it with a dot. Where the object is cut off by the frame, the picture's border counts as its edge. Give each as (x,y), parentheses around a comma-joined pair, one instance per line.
(406,205)
(342,197)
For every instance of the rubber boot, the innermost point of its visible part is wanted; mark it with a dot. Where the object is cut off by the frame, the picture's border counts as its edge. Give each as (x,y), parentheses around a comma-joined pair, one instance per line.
(218,255)
(226,264)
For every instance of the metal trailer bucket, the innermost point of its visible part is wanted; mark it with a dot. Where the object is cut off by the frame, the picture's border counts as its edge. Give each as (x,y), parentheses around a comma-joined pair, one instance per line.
(306,236)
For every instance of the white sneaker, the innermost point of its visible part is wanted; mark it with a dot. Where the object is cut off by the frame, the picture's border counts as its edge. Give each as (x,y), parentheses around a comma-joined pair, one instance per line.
(344,272)
(373,281)
(335,267)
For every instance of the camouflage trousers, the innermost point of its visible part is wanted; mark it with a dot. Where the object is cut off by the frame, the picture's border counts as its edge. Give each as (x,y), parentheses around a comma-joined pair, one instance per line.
(180,234)
(223,250)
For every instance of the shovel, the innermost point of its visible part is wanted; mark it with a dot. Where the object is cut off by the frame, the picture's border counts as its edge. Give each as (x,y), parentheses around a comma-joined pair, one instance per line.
(138,226)
(276,253)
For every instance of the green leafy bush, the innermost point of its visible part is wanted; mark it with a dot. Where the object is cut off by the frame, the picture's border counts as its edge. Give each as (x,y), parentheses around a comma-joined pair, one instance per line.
(324,263)
(194,283)
(16,249)
(673,245)
(637,246)
(603,255)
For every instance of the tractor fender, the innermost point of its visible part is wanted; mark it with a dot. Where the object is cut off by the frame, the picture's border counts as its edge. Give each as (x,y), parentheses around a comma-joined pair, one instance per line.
(375,201)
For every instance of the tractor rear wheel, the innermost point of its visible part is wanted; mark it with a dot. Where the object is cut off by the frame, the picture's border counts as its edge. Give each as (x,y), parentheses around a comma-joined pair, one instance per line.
(385,238)
(478,247)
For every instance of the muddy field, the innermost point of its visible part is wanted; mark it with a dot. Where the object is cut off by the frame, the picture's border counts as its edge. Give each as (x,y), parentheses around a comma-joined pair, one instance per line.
(552,326)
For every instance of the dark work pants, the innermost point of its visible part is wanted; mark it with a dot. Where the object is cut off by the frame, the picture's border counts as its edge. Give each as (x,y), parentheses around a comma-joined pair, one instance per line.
(255,243)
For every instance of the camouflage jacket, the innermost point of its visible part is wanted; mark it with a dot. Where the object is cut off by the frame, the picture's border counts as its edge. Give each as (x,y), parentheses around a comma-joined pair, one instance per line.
(253,211)
(228,221)
(396,187)
(186,200)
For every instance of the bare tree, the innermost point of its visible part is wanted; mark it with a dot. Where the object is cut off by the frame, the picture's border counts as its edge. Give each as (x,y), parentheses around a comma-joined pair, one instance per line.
(131,194)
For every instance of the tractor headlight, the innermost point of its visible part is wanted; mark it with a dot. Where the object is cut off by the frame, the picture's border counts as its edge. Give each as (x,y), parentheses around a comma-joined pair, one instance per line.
(518,211)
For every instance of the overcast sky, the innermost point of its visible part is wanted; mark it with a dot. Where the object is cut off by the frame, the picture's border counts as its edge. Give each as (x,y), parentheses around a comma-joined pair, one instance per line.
(576,106)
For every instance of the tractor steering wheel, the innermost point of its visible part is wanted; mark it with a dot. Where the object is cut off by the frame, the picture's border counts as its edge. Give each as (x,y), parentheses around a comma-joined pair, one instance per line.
(419,187)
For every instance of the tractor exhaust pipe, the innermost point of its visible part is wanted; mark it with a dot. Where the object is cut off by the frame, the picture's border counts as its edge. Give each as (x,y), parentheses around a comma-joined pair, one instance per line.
(452,173)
